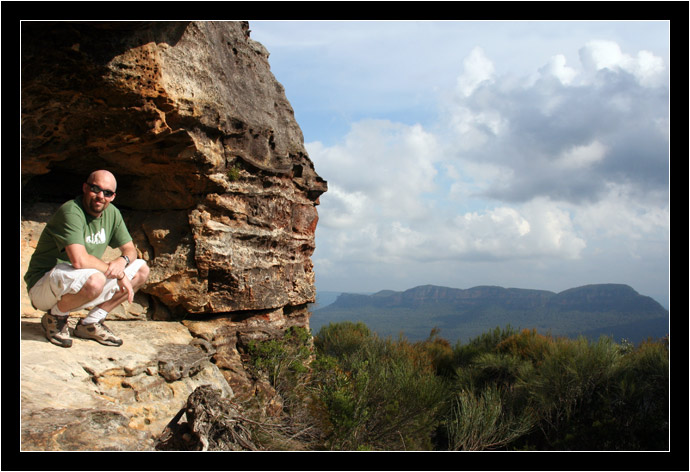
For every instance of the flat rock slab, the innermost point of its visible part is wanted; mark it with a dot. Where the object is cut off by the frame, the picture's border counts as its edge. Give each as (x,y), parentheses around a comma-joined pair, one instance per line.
(71,397)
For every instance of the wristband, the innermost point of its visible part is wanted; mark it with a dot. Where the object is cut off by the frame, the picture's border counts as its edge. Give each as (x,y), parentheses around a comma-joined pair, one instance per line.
(126,259)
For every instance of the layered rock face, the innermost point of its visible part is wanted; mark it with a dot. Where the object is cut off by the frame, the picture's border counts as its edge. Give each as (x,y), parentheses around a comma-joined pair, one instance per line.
(211,166)
(214,181)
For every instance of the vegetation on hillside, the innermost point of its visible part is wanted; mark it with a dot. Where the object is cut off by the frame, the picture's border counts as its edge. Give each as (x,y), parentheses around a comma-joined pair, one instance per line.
(503,390)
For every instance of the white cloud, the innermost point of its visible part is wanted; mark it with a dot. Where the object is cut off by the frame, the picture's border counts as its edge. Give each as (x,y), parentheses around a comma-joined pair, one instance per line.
(477,69)
(625,213)
(473,180)
(582,156)
(475,128)
(557,67)
(536,230)
(346,209)
(566,139)
(381,170)
(375,209)
(599,55)
(647,68)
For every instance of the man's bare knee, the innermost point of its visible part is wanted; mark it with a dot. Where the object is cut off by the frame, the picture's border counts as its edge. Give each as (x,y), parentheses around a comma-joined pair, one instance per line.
(142,274)
(93,286)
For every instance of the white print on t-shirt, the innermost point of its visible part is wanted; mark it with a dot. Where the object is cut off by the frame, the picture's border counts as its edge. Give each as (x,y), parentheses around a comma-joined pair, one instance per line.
(98,238)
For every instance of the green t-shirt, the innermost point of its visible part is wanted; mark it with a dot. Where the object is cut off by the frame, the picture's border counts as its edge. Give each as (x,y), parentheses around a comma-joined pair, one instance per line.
(72,225)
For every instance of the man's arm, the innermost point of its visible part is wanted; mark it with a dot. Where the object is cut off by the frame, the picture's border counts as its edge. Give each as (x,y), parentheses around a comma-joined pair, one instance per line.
(124,283)
(81,259)
(116,268)
(128,250)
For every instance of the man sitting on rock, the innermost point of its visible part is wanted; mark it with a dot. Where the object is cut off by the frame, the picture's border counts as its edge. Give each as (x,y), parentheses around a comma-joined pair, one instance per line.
(66,272)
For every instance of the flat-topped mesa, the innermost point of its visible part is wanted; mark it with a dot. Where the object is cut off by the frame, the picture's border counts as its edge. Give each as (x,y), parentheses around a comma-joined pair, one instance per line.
(213,176)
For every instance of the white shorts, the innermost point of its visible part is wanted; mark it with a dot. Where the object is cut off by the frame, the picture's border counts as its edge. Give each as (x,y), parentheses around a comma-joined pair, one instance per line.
(64,279)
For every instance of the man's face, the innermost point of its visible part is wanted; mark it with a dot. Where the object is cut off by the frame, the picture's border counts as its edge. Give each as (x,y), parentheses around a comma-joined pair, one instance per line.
(95,190)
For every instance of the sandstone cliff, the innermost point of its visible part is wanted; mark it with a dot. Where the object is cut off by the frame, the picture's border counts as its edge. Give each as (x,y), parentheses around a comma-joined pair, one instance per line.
(218,192)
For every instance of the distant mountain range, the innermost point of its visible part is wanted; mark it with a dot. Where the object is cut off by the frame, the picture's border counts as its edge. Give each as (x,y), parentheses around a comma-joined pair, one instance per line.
(592,310)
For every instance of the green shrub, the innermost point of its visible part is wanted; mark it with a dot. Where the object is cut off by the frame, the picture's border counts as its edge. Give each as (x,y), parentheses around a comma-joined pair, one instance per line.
(573,376)
(341,339)
(439,353)
(595,396)
(583,395)
(641,404)
(464,354)
(233,173)
(283,360)
(383,395)
(483,422)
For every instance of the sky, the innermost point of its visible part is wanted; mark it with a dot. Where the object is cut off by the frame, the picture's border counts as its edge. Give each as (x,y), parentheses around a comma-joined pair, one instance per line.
(525,154)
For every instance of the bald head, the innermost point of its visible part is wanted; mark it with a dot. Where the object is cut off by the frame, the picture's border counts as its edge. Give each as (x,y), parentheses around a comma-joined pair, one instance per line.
(99,191)
(103,176)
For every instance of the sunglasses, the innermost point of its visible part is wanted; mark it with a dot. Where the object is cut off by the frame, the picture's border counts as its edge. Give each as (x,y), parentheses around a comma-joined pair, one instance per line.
(96,189)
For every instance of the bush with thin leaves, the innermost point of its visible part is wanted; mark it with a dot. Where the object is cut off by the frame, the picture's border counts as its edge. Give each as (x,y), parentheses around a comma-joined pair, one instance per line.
(384,395)
(282,360)
(483,422)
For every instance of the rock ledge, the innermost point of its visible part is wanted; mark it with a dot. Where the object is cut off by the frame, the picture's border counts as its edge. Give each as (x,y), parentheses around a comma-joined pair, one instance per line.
(95,397)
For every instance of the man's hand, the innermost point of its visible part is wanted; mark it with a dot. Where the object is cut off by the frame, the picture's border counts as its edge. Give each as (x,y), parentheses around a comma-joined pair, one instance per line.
(116,269)
(125,284)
